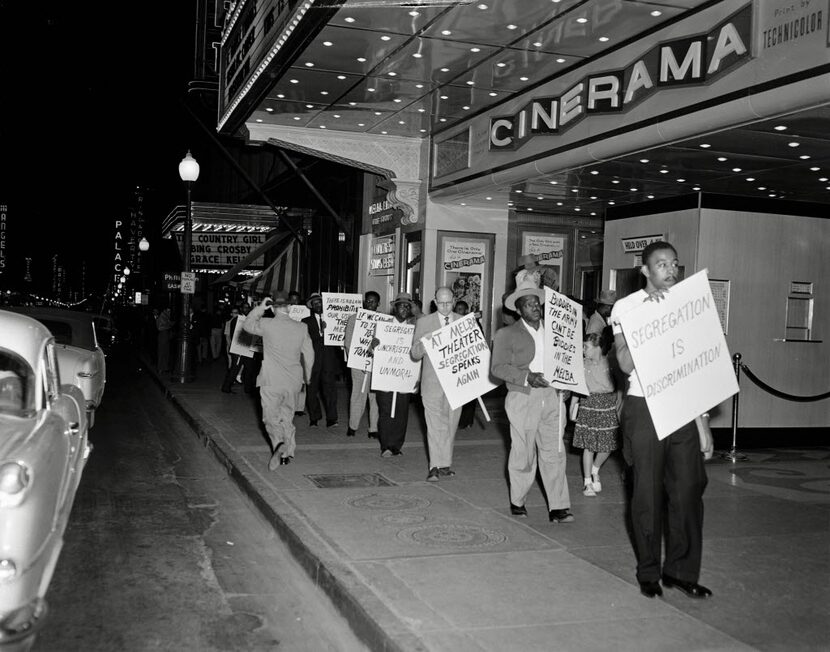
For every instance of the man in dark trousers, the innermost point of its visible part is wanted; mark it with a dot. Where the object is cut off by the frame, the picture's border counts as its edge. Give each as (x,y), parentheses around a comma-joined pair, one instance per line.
(324,371)
(669,468)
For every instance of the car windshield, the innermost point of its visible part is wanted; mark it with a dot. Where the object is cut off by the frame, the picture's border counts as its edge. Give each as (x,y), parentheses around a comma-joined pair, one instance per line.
(17,384)
(74,333)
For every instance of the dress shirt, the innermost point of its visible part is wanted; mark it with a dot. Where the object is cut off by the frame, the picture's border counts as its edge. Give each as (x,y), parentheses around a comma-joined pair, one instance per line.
(537,365)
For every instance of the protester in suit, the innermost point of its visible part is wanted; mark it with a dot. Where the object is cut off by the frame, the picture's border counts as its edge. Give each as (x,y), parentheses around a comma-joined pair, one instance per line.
(392,430)
(534,408)
(361,380)
(442,421)
(286,347)
(665,472)
(324,371)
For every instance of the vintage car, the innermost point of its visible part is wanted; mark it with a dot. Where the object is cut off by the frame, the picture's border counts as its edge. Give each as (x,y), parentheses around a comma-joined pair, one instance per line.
(43,449)
(82,361)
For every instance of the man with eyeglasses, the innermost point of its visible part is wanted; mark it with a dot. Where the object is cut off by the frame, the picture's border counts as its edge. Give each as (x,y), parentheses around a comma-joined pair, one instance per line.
(671,468)
(442,421)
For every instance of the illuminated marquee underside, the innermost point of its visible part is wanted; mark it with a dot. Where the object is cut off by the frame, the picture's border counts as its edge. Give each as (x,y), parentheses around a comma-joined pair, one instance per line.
(681,62)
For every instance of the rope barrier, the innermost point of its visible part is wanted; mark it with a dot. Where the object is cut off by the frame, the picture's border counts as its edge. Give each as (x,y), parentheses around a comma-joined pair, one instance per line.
(778,393)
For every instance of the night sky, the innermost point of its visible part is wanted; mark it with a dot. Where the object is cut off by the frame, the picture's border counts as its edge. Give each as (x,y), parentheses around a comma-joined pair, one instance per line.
(90,109)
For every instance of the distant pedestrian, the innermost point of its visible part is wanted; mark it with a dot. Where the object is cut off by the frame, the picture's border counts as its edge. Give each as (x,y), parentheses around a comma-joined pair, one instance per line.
(216,324)
(164,325)
(596,415)
(286,348)
(599,319)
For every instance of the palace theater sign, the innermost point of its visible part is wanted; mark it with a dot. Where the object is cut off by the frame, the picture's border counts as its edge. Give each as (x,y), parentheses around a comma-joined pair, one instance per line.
(680,62)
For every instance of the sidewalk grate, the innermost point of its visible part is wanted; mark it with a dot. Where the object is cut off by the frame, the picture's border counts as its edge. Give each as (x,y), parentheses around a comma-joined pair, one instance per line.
(347,480)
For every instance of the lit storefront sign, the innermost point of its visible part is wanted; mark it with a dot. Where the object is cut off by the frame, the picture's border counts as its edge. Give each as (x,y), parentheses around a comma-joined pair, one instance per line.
(683,61)
(223,249)
(382,261)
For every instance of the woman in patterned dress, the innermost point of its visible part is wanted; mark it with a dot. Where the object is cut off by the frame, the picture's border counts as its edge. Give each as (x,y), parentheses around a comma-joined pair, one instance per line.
(596,419)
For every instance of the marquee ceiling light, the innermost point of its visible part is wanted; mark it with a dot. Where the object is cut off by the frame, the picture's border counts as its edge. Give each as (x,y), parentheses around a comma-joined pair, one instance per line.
(294,81)
(650,196)
(664,171)
(392,73)
(815,169)
(559,203)
(780,128)
(309,64)
(750,178)
(446,32)
(258,120)
(269,109)
(581,20)
(804,157)
(681,181)
(361,59)
(523,78)
(603,39)
(417,55)
(328,44)
(281,96)
(470,83)
(475,49)
(793,144)
(445,69)
(336,115)
(528,208)
(385,38)
(722,158)
(537,44)
(341,77)
(705,145)
(554,183)
(352,103)
(822,179)
(501,64)
(349,19)
(560,60)
(511,26)
(296,117)
(656,13)
(736,169)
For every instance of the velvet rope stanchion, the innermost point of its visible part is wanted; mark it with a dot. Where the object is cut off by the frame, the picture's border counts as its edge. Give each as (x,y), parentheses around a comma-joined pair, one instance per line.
(732,454)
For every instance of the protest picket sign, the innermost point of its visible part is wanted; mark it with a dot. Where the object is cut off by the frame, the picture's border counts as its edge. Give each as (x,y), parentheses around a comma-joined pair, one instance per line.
(242,342)
(461,358)
(298,313)
(337,308)
(564,367)
(394,369)
(680,354)
(360,356)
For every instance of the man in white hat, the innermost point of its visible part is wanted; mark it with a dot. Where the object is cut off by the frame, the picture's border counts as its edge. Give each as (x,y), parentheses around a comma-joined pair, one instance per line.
(286,347)
(532,406)
(599,320)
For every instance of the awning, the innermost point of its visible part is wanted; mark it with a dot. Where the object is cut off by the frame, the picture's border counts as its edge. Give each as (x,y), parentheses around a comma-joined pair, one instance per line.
(283,274)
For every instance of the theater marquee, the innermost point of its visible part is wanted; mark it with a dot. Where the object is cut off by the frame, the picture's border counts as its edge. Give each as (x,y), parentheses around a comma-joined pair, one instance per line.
(690,60)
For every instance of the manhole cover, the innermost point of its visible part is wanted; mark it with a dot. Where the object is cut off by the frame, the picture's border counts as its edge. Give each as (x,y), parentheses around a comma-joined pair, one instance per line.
(452,534)
(388,502)
(341,480)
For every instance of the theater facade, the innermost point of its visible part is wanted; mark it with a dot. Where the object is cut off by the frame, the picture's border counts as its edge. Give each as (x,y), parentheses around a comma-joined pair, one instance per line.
(576,130)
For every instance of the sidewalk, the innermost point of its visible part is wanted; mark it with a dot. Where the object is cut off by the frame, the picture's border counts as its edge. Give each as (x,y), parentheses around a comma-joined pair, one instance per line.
(421,566)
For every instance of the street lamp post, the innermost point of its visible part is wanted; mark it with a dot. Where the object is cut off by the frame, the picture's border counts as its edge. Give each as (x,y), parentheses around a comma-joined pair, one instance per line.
(189,172)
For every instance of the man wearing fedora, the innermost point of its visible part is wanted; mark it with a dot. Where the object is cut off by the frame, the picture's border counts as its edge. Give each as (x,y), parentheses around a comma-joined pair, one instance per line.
(392,430)
(324,371)
(442,420)
(286,347)
(533,407)
(599,320)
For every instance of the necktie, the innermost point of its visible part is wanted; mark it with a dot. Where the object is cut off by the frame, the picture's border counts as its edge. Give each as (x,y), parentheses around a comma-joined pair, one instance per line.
(446,320)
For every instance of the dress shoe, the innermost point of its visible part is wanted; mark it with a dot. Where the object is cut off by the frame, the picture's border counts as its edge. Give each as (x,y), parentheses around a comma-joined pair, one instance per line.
(350,432)
(692,589)
(433,474)
(651,589)
(312,423)
(445,472)
(331,422)
(275,461)
(518,510)
(561,516)
(396,453)
(299,413)
(285,460)
(227,391)
(386,453)
(373,434)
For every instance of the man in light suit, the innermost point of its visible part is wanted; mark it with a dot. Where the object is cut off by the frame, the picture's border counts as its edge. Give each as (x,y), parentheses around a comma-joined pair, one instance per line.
(442,421)
(284,341)
(534,408)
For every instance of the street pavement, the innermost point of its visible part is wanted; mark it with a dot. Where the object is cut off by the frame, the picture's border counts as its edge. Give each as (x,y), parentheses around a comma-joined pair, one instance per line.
(444,566)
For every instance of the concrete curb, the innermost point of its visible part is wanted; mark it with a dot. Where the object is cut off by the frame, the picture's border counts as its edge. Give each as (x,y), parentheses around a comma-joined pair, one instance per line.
(371,620)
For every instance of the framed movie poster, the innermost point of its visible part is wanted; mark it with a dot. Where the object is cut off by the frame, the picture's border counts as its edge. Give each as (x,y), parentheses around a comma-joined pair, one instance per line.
(549,249)
(465,265)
